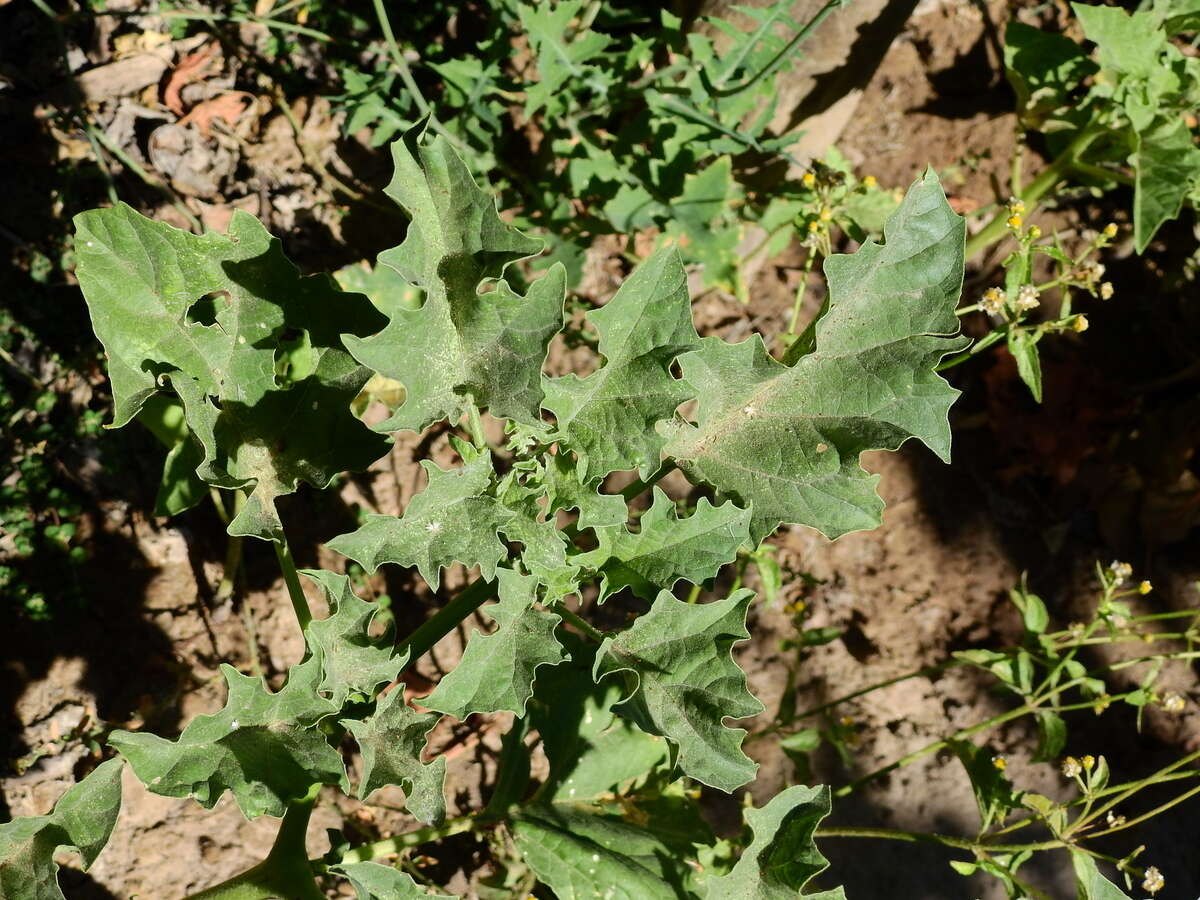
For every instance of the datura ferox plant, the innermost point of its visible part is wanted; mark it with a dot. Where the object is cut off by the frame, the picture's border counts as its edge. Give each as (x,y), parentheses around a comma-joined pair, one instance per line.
(266,365)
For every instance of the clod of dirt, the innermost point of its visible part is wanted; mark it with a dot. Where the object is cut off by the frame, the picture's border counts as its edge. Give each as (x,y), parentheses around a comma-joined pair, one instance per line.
(197,167)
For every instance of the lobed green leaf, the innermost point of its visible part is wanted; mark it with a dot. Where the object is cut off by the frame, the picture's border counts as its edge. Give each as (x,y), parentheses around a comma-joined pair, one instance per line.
(681,682)
(83,820)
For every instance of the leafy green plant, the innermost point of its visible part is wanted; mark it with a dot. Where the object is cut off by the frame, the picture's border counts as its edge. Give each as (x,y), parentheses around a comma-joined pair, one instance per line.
(639,120)
(1119,116)
(1052,681)
(266,366)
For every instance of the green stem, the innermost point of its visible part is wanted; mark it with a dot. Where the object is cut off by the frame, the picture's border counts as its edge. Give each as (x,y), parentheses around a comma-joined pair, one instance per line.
(946,840)
(286,872)
(781,55)
(288,566)
(402,68)
(396,844)
(903,761)
(637,487)
(512,776)
(580,623)
(446,619)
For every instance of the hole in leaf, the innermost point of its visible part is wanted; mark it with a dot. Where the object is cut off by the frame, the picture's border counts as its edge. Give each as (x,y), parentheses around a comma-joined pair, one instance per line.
(204,311)
(676,369)
(295,359)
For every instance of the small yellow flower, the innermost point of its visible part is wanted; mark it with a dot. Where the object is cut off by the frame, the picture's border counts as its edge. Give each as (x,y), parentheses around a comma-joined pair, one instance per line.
(993,300)
(825,215)
(1088,762)
(808,179)
(814,226)
(1106,290)
(847,721)
(1014,221)
(1034,232)
(1173,703)
(1110,230)
(1102,704)
(869,181)
(1154,881)
(1016,206)
(1000,763)
(1145,587)
(1071,767)
(1080,323)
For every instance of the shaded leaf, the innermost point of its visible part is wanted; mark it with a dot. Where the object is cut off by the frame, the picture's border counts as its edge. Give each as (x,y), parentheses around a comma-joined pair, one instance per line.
(83,819)
(391,742)
(262,747)
(580,854)
(497,670)
(460,347)
(375,881)
(590,749)
(681,682)
(667,548)
(209,315)
(1166,168)
(782,857)
(351,660)
(1092,885)
(609,417)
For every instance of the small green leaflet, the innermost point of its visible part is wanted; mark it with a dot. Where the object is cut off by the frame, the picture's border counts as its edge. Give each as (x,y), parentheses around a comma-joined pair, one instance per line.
(567,490)
(391,741)
(1166,168)
(681,682)
(609,417)
(1044,69)
(351,660)
(375,881)
(454,519)
(215,316)
(559,58)
(694,223)
(1130,44)
(666,548)
(782,858)
(787,440)
(1093,885)
(497,670)
(262,747)
(83,819)
(461,347)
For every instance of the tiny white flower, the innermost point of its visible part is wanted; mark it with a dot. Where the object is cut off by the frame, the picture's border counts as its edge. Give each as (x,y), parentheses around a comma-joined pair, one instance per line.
(433,527)
(993,301)
(1071,767)
(233,724)
(1027,297)
(1173,703)
(1121,571)
(1154,881)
